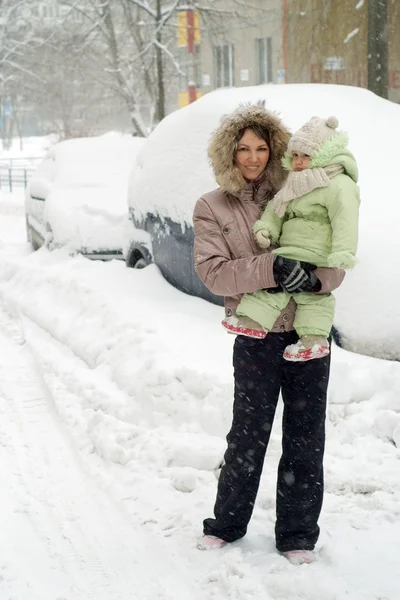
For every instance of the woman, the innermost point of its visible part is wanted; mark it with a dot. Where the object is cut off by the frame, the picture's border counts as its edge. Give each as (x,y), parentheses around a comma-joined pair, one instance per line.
(246,152)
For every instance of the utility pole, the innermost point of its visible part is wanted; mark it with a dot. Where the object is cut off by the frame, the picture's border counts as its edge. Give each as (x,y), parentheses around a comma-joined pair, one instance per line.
(159,66)
(188,39)
(192,95)
(378,47)
(284,39)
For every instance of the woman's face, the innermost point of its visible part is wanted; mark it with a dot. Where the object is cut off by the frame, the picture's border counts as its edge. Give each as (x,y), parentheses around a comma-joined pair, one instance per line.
(252,155)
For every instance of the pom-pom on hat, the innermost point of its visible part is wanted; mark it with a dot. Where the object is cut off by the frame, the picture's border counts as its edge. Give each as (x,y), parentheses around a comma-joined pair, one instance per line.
(310,138)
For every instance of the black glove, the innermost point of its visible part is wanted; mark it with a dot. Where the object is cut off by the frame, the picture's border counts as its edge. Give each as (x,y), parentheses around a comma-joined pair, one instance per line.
(310,270)
(295,276)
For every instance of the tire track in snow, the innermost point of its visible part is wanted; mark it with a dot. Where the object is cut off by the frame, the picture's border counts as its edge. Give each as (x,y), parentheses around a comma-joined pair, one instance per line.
(65,538)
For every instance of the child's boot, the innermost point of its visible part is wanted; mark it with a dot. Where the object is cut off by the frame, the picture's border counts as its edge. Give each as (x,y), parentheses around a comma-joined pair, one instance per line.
(244,326)
(306,348)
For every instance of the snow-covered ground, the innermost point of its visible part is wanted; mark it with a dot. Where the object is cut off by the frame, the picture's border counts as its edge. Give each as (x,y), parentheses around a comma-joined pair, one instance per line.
(115,397)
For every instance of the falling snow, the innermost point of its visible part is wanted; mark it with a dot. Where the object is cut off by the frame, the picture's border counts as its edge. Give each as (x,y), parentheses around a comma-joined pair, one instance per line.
(351,34)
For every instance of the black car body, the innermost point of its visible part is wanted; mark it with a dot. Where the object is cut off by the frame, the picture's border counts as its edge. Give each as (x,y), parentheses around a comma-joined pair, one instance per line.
(170,247)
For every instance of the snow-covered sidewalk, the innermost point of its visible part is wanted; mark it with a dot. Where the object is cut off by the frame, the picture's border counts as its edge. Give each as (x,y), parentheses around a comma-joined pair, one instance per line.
(63,536)
(118,395)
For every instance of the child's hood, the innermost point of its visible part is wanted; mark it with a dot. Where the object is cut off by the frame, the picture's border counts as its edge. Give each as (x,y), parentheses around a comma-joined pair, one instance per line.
(334,151)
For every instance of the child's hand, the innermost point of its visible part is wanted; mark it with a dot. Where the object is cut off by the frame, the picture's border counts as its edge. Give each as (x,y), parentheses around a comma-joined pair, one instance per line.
(262,238)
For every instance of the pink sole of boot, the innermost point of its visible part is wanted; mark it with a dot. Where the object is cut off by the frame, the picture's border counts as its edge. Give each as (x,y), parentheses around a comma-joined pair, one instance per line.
(210,542)
(307,354)
(253,333)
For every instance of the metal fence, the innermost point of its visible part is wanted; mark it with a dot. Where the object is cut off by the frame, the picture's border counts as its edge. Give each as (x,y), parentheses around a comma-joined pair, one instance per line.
(15,172)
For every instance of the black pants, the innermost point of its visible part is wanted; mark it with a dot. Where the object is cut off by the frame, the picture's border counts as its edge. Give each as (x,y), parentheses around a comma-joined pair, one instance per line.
(260,372)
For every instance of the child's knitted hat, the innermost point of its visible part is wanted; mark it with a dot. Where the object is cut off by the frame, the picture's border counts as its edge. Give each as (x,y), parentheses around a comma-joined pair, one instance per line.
(309,138)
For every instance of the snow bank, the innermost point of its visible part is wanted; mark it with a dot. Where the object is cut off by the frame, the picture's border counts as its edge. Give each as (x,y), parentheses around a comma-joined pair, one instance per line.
(169,358)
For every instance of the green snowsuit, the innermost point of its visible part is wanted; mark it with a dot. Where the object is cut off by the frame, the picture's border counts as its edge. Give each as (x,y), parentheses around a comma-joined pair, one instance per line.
(321,228)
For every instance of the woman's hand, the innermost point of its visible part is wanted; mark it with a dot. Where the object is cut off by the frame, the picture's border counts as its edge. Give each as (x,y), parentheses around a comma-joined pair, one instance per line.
(294,276)
(262,238)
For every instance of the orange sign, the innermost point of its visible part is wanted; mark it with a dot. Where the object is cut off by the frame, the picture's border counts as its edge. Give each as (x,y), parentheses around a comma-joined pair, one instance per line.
(184,25)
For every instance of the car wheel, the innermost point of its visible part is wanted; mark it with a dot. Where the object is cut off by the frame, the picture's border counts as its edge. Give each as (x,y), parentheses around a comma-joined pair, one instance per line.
(140,264)
(337,338)
(31,236)
(138,257)
(28,232)
(48,241)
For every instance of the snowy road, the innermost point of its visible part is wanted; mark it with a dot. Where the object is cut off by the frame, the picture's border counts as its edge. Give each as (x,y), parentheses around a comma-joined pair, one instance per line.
(115,396)
(77,544)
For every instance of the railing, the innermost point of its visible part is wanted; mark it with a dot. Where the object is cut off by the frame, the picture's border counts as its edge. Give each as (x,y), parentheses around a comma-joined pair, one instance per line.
(15,172)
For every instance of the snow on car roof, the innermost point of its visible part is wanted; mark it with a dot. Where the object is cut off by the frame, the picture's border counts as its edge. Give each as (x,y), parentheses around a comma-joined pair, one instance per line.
(173,171)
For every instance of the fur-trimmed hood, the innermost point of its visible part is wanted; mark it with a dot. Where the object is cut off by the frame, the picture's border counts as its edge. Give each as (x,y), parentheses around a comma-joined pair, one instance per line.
(222,147)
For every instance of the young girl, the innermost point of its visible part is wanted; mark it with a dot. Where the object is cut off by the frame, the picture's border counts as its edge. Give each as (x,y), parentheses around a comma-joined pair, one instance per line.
(314,218)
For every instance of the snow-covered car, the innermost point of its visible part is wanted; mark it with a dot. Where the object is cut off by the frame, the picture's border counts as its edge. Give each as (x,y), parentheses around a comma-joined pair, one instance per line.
(77,196)
(172,172)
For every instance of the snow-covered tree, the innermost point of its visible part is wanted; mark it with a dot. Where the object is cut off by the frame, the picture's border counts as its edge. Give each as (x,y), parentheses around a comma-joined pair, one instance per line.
(16,40)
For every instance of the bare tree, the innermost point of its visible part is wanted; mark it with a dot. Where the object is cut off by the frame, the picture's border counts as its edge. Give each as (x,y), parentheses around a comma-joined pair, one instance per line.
(140,60)
(137,55)
(16,37)
(119,58)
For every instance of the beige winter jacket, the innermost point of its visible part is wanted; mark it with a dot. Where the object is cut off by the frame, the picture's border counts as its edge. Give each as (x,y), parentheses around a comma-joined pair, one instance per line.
(226,256)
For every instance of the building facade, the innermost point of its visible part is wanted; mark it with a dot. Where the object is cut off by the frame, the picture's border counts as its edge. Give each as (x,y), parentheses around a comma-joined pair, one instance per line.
(239,47)
(246,50)
(289,41)
(327,42)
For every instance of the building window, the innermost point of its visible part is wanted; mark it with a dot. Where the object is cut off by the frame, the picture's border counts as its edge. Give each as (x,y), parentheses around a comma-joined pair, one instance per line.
(224,65)
(264,59)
